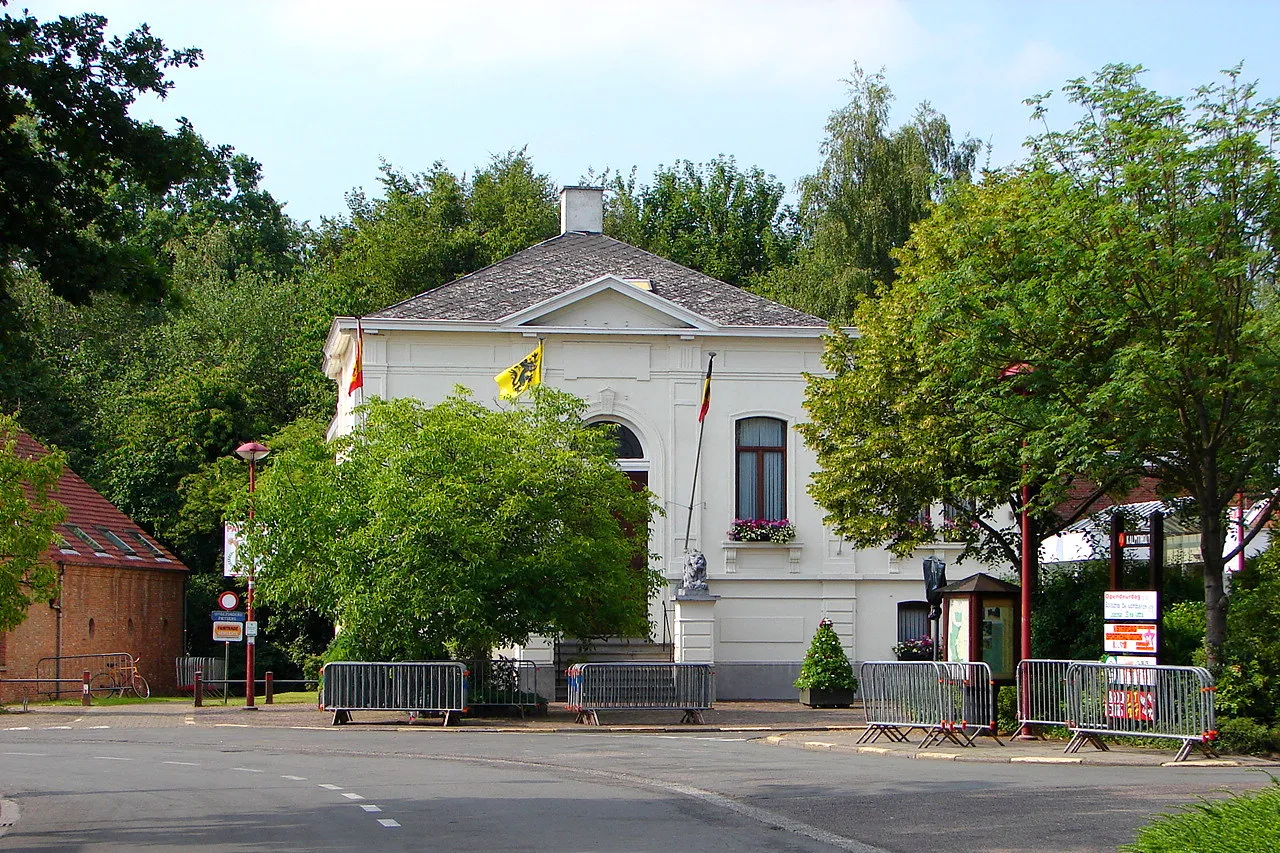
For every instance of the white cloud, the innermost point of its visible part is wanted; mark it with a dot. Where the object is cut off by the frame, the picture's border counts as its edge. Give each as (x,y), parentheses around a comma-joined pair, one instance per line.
(714,41)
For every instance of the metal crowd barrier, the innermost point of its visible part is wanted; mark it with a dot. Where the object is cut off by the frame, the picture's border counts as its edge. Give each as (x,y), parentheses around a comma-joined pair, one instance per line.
(51,671)
(510,683)
(412,686)
(1042,693)
(214,671)
(1173,702)
(593,687)
(947,701)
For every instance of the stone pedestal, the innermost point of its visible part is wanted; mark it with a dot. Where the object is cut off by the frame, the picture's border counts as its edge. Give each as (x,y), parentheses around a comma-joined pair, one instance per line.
(695,629)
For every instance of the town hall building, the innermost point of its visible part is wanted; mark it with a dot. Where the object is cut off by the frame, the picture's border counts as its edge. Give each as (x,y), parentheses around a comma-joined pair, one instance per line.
(632,333)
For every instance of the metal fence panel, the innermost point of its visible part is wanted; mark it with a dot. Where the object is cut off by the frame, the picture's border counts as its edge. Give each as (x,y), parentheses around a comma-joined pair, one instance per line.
(510,683)
(1042,692)
(213,671)
(412,686)
(1175,702)
(953,701)
(49,670)
(593,687)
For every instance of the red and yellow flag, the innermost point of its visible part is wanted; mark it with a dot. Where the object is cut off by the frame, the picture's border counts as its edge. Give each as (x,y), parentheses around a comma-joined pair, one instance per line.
(357,368)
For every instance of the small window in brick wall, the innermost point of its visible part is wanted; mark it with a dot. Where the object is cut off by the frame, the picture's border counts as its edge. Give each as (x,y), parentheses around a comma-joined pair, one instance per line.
(91,627)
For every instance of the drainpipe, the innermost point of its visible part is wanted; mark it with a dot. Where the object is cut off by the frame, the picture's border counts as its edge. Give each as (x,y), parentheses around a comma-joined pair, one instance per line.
(56,604)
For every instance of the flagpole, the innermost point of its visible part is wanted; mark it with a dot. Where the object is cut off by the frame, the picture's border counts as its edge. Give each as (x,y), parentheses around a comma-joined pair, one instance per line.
(697,459)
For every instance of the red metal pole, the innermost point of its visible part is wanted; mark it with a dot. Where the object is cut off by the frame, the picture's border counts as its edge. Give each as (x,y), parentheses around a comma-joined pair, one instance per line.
(84,694)
(249,668)
(1027,575)
(271,681)
(198,689)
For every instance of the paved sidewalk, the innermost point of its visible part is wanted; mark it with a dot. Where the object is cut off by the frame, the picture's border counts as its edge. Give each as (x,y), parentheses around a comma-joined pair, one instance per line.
(784,724)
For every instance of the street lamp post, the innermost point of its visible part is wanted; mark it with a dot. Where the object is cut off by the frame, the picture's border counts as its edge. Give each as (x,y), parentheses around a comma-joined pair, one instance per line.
(251,452)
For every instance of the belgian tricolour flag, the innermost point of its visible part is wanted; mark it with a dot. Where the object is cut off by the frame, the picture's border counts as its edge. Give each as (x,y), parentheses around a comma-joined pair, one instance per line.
(521,375)
(706,390)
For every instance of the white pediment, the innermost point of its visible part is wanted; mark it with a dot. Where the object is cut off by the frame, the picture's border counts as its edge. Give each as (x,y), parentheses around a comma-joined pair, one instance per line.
(608,302)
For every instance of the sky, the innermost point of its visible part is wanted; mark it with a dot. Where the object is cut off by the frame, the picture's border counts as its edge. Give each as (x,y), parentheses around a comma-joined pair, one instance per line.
(321,92)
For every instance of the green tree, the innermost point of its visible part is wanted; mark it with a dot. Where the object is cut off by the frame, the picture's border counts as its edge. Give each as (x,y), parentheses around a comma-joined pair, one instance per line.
(66,139)
(456,527)
(1104,311)
(429,229)
(713,217)
(873,185)
(27,516)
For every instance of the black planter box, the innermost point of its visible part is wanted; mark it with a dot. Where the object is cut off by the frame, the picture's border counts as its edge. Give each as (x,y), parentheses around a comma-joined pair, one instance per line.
(835,698)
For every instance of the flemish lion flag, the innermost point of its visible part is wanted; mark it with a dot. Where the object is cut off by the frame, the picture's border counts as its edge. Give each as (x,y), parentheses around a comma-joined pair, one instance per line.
(521,375)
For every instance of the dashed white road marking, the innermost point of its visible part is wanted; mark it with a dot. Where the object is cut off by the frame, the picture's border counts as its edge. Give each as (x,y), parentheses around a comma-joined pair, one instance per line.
(246,769)
(295,778)
(388,822)
(112,758)
(28,754)
(351,796)
(182,763)
(369,808)
(231,725)
(99,727)
(18,729)
(57,728)
(329,787)
(190,721)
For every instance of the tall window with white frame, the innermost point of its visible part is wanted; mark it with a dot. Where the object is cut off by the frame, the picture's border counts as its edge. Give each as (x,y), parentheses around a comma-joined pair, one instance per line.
(762,468)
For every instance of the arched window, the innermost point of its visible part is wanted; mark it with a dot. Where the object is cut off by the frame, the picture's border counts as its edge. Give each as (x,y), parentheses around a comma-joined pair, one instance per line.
(628,444)
(762,468)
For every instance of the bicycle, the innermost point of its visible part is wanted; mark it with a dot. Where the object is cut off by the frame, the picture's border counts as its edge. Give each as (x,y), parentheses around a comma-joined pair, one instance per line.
(118,679)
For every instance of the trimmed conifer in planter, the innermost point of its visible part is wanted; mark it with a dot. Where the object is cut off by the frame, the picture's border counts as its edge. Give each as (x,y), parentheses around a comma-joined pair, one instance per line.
(826,676)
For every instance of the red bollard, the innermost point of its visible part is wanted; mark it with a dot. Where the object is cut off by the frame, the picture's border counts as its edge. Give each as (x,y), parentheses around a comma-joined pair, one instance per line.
(84,696)
(198,689)
(271,683)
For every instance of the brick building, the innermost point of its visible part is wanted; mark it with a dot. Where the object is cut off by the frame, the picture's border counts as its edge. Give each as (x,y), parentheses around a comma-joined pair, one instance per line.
(121,591)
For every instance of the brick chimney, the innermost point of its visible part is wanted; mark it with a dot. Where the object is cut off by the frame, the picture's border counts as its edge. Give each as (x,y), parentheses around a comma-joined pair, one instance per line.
(582,209)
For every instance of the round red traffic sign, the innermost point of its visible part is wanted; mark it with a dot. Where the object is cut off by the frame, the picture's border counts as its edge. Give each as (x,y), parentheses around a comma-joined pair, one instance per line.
(228,600)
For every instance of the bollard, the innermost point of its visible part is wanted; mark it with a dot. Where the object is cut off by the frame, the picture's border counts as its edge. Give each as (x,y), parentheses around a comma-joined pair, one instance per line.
(271,680)
(84,695)
(198,689)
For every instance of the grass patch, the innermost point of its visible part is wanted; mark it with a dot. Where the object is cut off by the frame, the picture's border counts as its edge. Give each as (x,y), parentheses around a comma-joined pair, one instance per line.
(1244,823)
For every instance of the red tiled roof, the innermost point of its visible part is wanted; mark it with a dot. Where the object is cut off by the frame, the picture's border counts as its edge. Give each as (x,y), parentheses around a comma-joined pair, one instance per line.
(1081,489)
(97,517)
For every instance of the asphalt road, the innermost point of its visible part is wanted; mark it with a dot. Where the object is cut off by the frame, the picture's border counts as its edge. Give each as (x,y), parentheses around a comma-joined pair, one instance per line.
(230,788)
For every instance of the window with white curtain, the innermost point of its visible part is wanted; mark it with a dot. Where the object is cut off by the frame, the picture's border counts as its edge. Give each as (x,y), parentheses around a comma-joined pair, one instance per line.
(762,468)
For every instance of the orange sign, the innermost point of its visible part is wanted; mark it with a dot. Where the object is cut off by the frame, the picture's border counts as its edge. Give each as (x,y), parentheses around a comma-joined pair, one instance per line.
(228,632)
(1129,638)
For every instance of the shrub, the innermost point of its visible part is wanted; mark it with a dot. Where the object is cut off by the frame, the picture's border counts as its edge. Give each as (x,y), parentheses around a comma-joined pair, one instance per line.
(826,666)
(1247,823)
(1246,735)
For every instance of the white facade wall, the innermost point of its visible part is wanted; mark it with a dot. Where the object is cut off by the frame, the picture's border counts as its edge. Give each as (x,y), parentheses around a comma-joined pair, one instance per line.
(771,597)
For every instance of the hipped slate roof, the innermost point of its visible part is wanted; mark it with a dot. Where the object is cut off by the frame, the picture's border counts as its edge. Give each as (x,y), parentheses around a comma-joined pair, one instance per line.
(100,520)
(575,258)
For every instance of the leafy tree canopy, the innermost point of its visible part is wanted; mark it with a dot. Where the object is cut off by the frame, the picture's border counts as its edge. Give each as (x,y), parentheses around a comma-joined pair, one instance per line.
(66,139)
(713,217)
(1110,303)
(429,229)
(27,517)
(455,527)
(873,184)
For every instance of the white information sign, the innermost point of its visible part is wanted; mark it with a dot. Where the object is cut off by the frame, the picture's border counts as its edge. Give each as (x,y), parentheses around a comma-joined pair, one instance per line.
(1129,605)
(251,629)
(230,548)
(228,632)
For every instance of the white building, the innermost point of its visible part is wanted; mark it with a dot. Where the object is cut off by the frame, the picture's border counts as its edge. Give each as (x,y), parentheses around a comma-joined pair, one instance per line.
(631,333)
